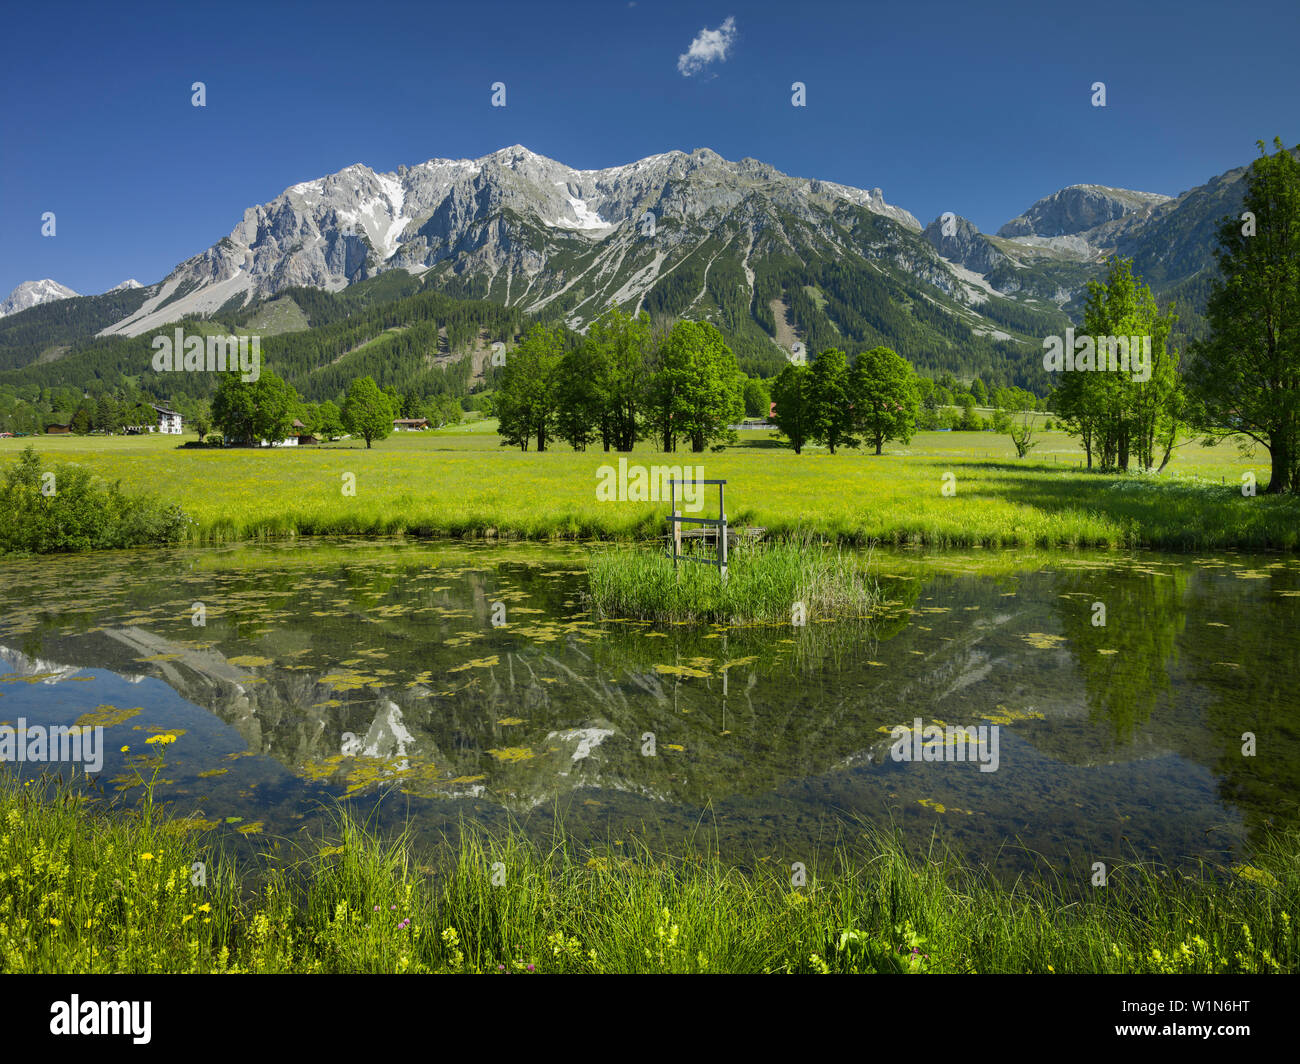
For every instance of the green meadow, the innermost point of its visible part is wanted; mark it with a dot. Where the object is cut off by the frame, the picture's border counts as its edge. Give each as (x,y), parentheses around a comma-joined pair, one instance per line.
(461,482)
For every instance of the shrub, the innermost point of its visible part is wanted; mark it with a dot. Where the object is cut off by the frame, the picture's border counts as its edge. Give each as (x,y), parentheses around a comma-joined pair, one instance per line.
(79,513)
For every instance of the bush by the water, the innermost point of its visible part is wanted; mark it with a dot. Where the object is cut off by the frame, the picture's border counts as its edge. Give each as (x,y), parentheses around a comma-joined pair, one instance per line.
(76,511)
(766,584)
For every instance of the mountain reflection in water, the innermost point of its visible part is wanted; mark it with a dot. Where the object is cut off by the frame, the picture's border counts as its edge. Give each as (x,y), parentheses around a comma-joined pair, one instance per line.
(374,671)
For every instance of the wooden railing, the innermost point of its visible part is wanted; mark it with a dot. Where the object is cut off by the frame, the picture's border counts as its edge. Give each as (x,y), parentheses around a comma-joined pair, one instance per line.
(676,520)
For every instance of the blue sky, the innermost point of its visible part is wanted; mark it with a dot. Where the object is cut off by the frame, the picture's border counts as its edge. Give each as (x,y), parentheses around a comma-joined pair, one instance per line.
(978,108)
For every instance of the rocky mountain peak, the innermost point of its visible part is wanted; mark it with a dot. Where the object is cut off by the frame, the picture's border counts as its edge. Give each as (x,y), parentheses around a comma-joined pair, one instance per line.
(506,213)
(33,294)
(959,241)
(1079,209)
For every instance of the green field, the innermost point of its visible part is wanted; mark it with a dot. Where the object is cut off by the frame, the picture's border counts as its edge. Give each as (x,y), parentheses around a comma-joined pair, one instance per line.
(462,482)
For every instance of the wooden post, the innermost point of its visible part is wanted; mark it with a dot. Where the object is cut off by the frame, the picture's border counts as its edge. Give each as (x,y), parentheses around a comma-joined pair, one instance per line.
(677,526)
(724,679)
(722,541)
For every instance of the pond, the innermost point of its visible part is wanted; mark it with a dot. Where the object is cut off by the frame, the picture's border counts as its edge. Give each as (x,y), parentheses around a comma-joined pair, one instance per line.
(441,684)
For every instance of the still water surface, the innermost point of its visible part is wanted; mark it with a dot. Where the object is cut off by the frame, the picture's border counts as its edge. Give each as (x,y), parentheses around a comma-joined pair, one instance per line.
(434,684)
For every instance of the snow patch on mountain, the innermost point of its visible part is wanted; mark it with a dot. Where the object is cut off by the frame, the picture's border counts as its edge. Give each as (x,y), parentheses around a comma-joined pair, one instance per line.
(395,195)
(583,216)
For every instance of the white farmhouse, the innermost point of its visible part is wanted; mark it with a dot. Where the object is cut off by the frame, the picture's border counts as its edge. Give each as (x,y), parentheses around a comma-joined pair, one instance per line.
(168,421)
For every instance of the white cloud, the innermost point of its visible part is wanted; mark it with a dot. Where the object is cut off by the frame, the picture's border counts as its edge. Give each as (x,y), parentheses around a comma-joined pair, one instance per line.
(707,46)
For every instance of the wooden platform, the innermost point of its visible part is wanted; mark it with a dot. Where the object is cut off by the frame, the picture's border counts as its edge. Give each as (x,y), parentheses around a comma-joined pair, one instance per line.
(735,536)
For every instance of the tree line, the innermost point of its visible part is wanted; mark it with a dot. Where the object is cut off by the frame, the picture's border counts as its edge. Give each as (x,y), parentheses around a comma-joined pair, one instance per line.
(623,382)
(250,412)
(628,381)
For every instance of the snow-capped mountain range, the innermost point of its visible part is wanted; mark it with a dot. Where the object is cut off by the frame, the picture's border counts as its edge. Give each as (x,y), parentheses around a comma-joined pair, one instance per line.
(509,214)
(34,293)
(520,229)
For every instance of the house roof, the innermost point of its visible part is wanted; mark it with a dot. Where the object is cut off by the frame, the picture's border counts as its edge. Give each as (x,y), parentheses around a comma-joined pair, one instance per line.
(164,410)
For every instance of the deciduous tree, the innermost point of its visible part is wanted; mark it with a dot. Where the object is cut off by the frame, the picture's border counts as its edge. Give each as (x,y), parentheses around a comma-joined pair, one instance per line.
(1245,378)
(882,385)
(368,412)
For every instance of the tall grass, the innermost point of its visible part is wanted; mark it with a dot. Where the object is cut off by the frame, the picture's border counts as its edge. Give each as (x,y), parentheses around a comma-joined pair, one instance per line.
(764,584)
(467,486)
(85,891)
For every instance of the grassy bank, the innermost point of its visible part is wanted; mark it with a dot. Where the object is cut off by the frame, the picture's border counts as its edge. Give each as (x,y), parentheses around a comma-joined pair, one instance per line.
(763,584)
(85,891)
(467,485)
